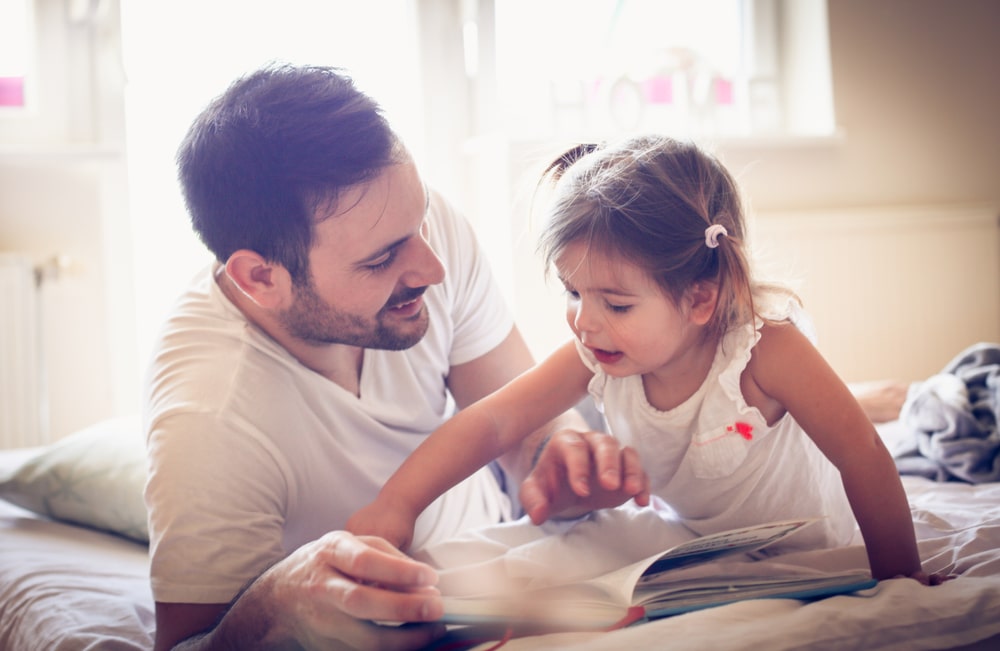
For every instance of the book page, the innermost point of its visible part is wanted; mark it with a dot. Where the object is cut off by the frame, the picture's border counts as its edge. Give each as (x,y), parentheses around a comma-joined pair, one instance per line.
(613,593)
(726,543)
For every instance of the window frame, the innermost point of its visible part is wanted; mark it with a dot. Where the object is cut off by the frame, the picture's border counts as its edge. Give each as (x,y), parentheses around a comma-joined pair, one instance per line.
(28,73)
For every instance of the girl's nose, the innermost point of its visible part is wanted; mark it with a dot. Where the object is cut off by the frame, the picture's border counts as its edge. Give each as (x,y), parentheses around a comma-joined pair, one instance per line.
(580,316)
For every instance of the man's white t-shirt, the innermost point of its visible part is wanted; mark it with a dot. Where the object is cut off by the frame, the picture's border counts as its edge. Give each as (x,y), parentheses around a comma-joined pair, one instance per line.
(252,454)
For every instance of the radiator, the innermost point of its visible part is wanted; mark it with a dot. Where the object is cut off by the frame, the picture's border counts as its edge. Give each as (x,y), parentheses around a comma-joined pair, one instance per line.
(22,396)
(895,292)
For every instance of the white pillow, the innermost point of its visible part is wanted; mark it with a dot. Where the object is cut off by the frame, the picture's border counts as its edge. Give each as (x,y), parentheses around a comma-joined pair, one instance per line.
(94,477)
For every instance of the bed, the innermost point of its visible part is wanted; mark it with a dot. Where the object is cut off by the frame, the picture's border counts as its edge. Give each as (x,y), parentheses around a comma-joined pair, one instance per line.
(73,556)
(73,564)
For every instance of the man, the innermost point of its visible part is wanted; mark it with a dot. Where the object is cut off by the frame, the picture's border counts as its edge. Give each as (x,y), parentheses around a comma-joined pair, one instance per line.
(349,312)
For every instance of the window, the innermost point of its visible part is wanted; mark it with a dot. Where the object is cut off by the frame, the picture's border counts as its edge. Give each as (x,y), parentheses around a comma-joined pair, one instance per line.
(60,77)
(16,45)
(595,69)
(541,73)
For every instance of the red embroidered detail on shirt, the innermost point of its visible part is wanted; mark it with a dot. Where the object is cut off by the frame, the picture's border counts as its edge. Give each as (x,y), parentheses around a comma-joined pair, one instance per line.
(745,430)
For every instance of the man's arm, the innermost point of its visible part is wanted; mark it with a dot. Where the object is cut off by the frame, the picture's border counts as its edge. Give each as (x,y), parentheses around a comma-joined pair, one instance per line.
(326,594)
(175,622)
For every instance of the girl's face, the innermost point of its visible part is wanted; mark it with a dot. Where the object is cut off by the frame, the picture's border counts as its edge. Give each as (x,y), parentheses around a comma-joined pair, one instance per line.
(621,315)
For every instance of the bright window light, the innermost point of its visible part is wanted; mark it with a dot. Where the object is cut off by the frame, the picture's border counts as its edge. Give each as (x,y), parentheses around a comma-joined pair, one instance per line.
(16,42)
(592,69)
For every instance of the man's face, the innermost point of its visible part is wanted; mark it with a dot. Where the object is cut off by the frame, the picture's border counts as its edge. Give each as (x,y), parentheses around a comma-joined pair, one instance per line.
(369,266)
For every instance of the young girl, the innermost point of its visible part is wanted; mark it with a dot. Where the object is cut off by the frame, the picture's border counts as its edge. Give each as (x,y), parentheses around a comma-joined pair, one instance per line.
(708,375)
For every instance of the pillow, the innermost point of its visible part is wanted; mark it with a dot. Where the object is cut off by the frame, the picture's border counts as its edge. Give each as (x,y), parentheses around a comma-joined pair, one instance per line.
(94,477)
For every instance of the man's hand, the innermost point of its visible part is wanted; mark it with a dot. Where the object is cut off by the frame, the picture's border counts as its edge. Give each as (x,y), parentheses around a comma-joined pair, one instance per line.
(385,521)
(578,472)
(329,594)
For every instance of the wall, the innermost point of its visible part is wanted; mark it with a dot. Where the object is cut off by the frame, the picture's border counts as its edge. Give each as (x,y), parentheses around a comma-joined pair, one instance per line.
(916,93)
(916,89)
(63,193)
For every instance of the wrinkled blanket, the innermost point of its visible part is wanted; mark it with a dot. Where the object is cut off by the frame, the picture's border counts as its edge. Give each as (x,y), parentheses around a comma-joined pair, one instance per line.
(951,420)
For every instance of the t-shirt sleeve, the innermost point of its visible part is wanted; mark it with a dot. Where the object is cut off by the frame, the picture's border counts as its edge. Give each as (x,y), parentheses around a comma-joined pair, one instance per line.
(221,519)
(481,317)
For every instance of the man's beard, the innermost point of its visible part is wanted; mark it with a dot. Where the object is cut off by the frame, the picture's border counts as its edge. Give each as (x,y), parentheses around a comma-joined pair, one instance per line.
(316,322)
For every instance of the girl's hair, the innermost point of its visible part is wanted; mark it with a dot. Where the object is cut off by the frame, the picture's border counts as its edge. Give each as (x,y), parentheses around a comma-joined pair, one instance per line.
(649,201)
(279,145)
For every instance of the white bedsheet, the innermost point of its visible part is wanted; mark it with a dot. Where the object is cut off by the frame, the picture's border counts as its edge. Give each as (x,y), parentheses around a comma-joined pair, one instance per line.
(66,588)
(958,529)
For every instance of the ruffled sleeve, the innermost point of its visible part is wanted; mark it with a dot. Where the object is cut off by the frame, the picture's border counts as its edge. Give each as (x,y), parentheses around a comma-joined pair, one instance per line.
(739,342)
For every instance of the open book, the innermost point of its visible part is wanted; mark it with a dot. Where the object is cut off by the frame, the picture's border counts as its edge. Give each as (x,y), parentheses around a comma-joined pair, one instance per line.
(670,582)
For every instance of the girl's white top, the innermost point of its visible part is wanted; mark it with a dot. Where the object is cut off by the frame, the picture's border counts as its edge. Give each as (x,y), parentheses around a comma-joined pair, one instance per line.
(713,475)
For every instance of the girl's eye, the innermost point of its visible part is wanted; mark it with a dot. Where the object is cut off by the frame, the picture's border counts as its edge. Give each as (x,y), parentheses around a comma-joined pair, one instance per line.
(572,293)
(619,308)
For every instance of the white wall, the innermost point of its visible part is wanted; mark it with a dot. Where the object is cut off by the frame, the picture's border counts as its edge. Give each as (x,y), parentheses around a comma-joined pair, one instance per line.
(63,192)
(916,90)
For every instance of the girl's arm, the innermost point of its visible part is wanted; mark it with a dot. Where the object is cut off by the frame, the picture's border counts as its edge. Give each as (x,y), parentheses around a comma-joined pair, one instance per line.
(786,372)
(472,438)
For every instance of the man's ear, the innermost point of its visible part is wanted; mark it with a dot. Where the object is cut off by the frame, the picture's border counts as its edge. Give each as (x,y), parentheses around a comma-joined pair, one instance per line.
(265,283)
(702,298)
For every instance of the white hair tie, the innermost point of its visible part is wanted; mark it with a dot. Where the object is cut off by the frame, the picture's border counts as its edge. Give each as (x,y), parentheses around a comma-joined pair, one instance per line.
(712,234)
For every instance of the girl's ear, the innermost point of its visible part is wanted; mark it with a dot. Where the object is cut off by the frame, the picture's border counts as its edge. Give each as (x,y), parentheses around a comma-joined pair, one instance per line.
(267,284)
(702,298)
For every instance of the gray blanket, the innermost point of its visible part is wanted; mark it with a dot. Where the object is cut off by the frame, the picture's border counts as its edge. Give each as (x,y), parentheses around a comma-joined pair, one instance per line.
(951,420)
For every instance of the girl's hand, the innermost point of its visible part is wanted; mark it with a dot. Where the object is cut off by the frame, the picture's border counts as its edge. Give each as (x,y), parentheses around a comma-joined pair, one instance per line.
(578,472)
(384,520)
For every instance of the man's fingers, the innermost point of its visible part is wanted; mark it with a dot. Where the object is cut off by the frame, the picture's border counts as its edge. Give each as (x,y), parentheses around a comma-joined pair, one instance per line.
(382,544)
(365,601)
(390,633)
(330,592)
(373,560)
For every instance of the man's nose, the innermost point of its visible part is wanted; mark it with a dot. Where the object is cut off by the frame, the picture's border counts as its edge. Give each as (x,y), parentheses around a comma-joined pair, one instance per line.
(425,267)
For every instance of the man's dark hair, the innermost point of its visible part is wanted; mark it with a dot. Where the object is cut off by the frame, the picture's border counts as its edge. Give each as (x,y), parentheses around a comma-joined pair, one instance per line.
(263,157)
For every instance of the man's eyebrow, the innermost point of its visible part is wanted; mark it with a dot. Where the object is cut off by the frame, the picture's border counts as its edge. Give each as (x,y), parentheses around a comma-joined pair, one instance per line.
(393,245)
